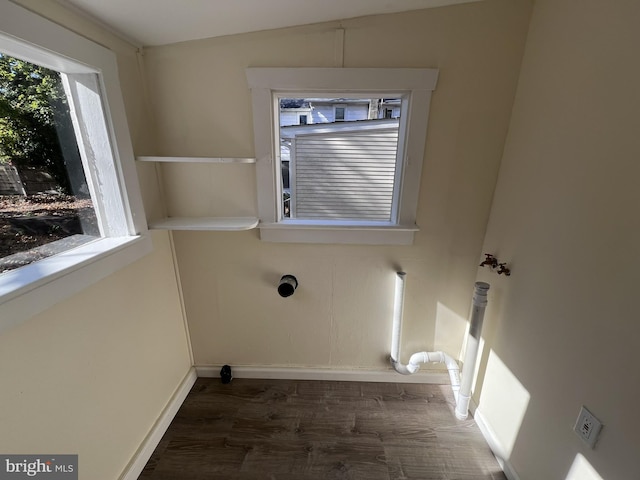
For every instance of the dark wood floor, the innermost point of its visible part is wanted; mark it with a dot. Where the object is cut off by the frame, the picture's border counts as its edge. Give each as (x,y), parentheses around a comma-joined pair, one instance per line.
(311,430)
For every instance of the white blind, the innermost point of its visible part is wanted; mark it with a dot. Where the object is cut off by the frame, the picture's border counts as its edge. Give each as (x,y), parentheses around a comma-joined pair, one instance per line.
(344,175)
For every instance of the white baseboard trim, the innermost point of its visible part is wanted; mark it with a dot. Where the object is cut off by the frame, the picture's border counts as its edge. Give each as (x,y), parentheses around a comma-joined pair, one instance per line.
(151,441)
(493,442)
(508,470)
(302,373)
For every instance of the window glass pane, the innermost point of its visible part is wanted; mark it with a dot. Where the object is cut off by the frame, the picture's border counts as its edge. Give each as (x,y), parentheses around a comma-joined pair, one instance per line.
(45,204)
(337,168)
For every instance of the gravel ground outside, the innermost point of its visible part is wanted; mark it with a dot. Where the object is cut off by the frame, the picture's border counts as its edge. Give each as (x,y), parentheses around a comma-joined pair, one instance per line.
(30,222)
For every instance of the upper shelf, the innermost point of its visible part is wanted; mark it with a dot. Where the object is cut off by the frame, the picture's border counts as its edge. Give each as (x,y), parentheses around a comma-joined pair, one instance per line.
(196,159)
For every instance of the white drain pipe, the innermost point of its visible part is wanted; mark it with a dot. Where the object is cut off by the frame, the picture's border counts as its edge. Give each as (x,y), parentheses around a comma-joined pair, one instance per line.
(471,351)
(432,357)
(461,392)
(398,307)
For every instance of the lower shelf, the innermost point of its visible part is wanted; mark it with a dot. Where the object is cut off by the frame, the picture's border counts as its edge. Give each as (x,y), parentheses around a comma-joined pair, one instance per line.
(205,223)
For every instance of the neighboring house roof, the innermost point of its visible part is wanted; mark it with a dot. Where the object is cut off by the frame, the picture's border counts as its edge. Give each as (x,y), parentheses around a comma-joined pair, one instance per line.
(286,103)
(294,103)
(315,128)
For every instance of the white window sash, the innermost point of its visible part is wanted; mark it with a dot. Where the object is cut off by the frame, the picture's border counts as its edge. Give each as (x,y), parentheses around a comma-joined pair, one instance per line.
(94,143)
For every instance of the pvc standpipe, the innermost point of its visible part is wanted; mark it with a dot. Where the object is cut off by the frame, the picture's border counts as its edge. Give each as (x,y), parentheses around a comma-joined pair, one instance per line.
(398,306)
(471,351)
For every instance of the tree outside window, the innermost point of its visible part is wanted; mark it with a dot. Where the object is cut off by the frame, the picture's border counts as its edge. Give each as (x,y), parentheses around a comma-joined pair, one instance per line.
(45,196)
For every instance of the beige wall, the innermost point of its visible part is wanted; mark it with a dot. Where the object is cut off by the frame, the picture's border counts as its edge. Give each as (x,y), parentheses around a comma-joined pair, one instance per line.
(564,328)
(92,374)
(340,316)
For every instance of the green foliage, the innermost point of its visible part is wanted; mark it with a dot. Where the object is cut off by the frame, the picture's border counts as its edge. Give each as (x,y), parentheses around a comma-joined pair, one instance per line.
(35,124)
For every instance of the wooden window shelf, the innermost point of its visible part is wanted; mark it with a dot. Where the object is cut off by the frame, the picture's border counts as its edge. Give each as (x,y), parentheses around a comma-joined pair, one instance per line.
(205,223)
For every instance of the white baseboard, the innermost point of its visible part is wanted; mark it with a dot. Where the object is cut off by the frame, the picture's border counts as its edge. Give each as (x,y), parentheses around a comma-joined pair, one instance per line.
(508,470)
(302,373)
(493,442)
(151,441)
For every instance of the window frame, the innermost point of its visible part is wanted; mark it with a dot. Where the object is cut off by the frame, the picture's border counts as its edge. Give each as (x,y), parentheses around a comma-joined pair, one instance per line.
(90,78)
(413,84)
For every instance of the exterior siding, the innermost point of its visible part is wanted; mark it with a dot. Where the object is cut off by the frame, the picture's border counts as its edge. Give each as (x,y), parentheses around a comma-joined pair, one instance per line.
(345,175)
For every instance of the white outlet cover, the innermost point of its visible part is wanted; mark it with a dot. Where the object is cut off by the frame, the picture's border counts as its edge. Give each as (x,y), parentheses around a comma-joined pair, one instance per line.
(587,427)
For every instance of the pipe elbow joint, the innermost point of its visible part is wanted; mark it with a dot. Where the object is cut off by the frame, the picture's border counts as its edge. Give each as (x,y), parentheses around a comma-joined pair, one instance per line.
(403,369)
(418,358)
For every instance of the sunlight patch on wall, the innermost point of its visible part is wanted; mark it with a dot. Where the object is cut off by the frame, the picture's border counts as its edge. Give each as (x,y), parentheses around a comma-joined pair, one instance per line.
(581,469)
(503,404)
(450,329)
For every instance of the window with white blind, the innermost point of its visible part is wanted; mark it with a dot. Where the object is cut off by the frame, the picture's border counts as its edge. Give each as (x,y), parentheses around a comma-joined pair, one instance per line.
(341,178)
(341,171)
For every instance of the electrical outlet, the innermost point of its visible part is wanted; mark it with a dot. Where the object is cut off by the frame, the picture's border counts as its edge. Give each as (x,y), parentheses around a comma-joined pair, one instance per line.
(587,427)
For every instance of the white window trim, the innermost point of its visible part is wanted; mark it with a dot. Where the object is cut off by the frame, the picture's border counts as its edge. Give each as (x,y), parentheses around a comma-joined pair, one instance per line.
(415,85)
(97,105)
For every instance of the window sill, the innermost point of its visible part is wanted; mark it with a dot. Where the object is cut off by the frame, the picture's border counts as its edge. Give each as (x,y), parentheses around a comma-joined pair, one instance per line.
(32,289)
(360,233)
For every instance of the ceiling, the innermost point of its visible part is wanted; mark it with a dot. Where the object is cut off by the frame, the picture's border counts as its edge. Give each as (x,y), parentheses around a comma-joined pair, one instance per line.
(160,22)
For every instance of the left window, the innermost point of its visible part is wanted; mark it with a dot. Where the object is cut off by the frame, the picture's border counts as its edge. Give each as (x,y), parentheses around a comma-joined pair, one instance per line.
(70,206)
(45,202)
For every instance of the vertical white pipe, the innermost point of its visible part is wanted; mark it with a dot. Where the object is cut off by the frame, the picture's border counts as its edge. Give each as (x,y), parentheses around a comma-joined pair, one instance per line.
(398,304)
(471,351)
